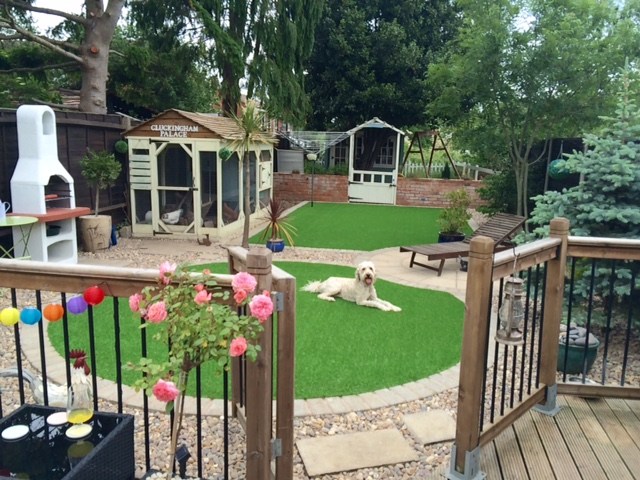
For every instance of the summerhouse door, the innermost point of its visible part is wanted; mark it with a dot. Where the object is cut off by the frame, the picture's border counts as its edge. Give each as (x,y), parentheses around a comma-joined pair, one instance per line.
(369,186)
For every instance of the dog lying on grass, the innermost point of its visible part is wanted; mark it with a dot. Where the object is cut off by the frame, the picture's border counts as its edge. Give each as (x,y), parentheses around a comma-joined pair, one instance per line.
(359,289)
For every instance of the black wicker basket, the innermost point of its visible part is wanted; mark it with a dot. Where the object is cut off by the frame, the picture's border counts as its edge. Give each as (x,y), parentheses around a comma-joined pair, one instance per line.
(43,454)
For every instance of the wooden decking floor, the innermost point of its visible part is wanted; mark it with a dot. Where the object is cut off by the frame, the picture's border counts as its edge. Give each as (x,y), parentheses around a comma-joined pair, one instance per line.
(588,439)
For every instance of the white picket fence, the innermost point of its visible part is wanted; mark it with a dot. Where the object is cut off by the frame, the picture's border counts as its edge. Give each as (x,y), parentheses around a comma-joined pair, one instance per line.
(466,170)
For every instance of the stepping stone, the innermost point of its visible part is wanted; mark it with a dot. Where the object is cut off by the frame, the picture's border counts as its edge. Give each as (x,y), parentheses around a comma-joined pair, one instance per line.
(431,427)
(339,453)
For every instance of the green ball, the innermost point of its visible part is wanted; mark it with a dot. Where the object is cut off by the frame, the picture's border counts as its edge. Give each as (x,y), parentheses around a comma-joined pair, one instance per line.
(558,170)
(121,146)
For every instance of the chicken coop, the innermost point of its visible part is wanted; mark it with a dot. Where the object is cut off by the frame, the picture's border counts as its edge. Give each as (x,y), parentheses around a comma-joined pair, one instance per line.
(186,176)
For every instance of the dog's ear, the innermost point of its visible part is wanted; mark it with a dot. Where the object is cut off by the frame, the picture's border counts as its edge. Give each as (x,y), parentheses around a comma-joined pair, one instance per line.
(358,274)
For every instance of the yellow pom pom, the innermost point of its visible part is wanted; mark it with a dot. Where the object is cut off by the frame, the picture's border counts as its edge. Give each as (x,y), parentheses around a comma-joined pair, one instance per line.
(9,316)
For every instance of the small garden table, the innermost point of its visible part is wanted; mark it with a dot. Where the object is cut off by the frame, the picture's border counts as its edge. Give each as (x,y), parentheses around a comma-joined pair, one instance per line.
(23,225)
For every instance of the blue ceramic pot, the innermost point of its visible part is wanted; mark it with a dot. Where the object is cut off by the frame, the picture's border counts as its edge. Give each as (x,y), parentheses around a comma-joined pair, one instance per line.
(275,245)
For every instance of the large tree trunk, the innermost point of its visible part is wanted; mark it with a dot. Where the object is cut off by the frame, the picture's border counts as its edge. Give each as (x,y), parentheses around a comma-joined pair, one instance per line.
(95,54)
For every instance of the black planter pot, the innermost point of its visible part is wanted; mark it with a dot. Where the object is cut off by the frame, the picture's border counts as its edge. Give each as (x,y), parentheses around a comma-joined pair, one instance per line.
(444,237)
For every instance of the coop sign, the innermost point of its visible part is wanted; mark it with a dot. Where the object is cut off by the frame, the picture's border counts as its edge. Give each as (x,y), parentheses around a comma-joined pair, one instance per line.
(174,131)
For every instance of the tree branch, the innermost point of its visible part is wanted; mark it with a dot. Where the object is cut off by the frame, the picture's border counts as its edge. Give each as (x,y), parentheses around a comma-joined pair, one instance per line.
(47,11)
(37,69)
(64,44)
(9,37)
(45,42)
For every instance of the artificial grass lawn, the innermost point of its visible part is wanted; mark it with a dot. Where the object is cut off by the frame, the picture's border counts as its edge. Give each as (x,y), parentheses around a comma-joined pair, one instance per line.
(341,348)
(350,226)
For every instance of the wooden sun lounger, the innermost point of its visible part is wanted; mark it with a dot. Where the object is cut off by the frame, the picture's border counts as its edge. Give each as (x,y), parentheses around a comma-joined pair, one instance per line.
(499,227)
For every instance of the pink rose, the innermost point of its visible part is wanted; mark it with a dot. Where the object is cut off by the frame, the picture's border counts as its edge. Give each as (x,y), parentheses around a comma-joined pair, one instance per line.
(240,296)
(165,391)
(199,287)
(166,270)
(202,297)
(156,312)
(206,271)
(261,306)
(243,281)
(134,302)
(238,346)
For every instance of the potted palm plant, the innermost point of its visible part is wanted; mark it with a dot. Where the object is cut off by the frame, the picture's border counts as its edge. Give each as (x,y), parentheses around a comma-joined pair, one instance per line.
(277,230)
(454,218)
(101,170)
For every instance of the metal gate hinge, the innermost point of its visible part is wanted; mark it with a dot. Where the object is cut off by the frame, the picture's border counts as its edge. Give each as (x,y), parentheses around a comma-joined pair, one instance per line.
(276,447)
(279,301)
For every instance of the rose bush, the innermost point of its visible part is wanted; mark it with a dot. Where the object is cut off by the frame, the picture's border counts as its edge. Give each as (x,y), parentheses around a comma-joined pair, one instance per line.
(200,323)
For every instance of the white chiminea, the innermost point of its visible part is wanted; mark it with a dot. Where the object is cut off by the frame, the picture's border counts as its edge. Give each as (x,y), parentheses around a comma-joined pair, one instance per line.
(41,187)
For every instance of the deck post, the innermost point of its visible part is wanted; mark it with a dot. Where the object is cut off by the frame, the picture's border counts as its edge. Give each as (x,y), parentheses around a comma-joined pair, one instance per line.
(259,384)
(473,360)
(554,297)
(285,385)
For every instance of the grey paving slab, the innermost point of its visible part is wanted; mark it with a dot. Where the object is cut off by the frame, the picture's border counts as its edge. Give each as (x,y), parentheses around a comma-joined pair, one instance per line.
(338,405)
(318,406)
(431,427)
(423,388)
(390,397)
(373,400)
(408,395)
(340,453)
(300,408)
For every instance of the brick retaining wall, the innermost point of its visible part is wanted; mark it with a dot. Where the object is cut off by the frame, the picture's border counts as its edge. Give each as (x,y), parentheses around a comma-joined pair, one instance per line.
(423,192)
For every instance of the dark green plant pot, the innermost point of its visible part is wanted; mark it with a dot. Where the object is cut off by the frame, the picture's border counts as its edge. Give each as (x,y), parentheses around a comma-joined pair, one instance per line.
(450,237)
(275,245)
(575,357)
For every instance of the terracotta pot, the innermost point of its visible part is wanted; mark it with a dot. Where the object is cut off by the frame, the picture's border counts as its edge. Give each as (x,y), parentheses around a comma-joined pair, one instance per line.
(95,232)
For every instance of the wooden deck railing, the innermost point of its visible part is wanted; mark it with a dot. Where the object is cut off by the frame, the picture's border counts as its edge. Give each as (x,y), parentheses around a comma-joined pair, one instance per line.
(498,382)
(257,385)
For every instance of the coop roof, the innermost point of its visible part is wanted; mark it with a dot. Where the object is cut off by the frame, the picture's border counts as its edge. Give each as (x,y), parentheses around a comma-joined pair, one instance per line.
(209,125)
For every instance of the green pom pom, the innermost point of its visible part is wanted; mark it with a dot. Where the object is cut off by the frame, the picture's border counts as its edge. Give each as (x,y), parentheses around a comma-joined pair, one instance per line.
(557,169)
(121,146)
(225,153)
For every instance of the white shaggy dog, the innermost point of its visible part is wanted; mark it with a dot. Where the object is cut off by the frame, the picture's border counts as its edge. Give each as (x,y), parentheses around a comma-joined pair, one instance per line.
(359,290)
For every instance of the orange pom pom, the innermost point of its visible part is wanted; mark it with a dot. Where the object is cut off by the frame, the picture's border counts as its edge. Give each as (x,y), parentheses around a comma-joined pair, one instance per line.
(53,312)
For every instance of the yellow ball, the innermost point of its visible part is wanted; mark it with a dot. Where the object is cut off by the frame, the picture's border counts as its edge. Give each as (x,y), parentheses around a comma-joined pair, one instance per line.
(9,316)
